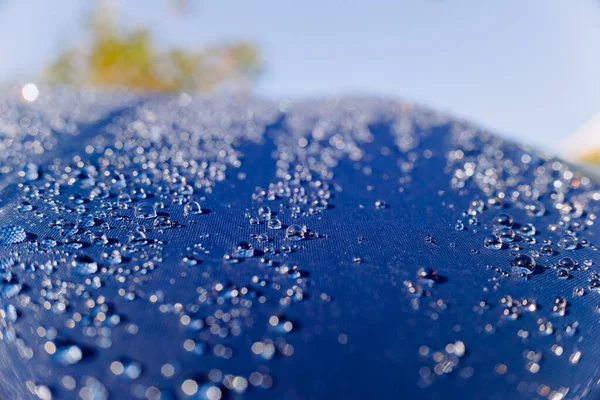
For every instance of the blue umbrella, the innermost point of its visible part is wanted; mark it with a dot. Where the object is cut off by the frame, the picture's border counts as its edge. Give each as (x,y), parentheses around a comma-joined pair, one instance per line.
(178,247)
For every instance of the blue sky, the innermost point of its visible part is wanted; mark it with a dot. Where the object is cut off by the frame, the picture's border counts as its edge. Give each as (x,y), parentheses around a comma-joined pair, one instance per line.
(529,69)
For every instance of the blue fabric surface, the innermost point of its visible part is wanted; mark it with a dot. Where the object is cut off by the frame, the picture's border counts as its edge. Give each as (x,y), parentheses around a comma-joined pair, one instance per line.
(387,295)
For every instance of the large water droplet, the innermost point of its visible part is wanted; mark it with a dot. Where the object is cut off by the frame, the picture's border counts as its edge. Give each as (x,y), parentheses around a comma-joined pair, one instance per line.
(536,209)
(274,223)
(492,242)
(567,242)
(11,234)
(295,232)
(64,353)
(523,264)
(502,220)
(83,265)
(193,207)
(145,210)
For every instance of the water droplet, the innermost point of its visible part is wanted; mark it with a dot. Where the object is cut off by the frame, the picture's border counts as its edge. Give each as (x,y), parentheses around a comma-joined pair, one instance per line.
(264,213)
(11,234)
(25,206)
(137,238)
(527,229)
(295,232)
(47,243)
(567,242)
(476,207)
(506,235)
(428,276)
(492,242)
(502,220)
(380,205)
(86,221)
(567,263)
(9,289)
(145,210)
(562,273)
(114,258)
(547,249)
(193,207)
(274,223)
(126,369)
(243,250)
(64,353)
(594,284)
(83,265)
(162,223)
(536,209)
(523,264)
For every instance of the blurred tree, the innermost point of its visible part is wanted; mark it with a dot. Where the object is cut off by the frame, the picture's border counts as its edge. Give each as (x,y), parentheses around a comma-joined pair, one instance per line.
(117,57)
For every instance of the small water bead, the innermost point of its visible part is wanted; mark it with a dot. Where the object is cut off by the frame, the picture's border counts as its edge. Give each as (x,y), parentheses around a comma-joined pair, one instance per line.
(459,226)
(25,206)
(145,210)
(126,369)
(243,250)
(83,265)
(495,202)
(162,223)
(30,172)
(47,243)
(137,238)
(567,242)
(429,239)
(506,235)
(114,258)
(9,313)
(64,353)
(594,284)
(280,324)
(380,205)
(254,221)
(274,223)
(98,240)
(535,209)
(12,234)
(567,263)
(476,207)
(295,232)
(523,264)
(527,229)
(193,207)
(428,276)
(562,273)
(124,198)
(264,213)
(547,250)
(9,289)
(492,242)
(502,220)
(86,221)
(263,237)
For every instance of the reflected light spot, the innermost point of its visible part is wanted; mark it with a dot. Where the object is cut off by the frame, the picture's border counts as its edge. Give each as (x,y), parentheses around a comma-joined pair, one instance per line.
(30,92)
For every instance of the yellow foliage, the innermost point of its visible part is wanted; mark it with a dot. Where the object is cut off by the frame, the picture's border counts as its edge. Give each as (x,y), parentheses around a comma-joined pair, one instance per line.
(128,59)
(592,157)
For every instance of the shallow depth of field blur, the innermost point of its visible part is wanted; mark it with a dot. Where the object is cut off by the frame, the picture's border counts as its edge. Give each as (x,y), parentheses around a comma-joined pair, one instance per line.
(528,70)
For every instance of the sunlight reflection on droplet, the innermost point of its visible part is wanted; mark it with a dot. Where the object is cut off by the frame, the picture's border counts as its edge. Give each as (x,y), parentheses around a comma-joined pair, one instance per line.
(30,92)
